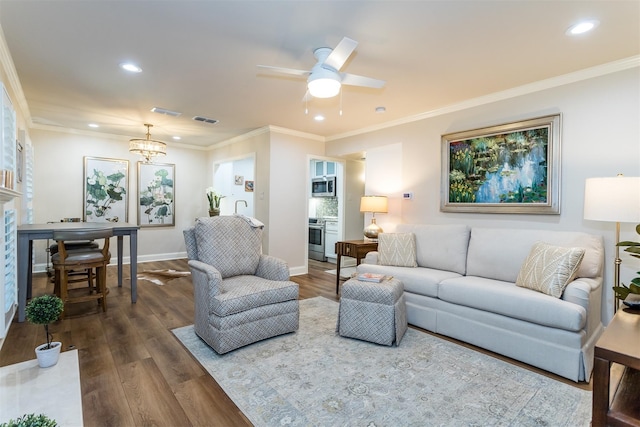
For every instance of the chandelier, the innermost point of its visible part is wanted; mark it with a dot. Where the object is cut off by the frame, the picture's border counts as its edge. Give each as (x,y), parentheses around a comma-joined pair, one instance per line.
(147,148)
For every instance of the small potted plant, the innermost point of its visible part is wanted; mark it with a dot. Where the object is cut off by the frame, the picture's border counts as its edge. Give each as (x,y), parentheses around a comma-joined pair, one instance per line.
(43,310)
(214,201)
(31,420)
(633,248)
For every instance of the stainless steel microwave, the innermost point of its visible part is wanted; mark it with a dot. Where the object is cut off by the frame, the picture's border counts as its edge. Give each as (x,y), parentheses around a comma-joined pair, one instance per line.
(323,187)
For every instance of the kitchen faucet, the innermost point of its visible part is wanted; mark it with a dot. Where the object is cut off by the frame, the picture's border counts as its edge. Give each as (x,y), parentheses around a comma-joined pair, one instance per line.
(243,201)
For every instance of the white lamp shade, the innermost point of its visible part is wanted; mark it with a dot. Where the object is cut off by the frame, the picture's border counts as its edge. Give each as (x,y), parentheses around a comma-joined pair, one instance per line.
(374,204)
(323,83)
(614,199)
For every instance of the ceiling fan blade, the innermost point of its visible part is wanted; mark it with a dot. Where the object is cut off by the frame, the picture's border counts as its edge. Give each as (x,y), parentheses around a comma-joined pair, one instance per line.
(355,80)
(341,53)
(289,71)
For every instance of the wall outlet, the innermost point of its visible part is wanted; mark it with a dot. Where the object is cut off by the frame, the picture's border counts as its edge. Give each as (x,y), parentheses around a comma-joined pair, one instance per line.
(407,196)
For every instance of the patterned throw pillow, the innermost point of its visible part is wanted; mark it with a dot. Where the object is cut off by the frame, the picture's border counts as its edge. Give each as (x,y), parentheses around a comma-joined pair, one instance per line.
(549,269)
(397,249)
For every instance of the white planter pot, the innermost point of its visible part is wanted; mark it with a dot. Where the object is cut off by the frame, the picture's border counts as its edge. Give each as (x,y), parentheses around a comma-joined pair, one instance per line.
(48,357)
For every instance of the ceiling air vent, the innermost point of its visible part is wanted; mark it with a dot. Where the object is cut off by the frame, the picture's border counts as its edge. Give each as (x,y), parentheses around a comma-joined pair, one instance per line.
(166,112)
(205,120)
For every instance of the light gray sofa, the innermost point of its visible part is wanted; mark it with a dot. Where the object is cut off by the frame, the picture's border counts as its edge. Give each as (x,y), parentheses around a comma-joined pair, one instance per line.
(464,288)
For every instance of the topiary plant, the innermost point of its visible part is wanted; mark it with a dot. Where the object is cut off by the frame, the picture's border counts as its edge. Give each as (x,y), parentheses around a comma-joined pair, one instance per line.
(43,310)
(31,420)
(633,248)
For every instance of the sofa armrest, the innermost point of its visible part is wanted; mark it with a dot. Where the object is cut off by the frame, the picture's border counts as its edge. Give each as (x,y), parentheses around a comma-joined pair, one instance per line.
(207,283)
(371,258)
(272,268)
(580,291)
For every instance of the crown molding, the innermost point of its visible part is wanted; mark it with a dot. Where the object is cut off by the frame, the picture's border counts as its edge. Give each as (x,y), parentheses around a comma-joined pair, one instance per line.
(565,79)
(296,133)
(104,135)
(266,129)
(14,80)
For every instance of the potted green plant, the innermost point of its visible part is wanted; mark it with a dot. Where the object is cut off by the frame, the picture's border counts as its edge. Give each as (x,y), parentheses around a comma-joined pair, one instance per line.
(43,310)
(31,420)
(214,201)
(633,248)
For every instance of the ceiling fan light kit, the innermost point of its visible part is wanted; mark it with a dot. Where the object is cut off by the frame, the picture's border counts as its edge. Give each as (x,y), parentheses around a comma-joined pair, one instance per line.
(325,79)
(147,148)
(323,87)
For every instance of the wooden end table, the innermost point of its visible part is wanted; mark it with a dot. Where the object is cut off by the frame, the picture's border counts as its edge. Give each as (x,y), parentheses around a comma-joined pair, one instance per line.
(357,249)
(620,343)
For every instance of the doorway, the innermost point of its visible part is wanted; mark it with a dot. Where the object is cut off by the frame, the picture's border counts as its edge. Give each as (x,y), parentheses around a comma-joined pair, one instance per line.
(234,179)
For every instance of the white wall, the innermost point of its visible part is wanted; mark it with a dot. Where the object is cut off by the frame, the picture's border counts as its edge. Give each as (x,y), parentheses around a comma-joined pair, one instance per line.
(600,137)
(58,181)
(289,220)
(354,188)
(280,187)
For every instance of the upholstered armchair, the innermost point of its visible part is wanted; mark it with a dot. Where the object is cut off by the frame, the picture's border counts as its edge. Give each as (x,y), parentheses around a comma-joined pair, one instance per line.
(241,295)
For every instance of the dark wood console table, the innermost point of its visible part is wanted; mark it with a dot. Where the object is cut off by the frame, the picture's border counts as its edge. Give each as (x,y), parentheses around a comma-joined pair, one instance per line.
(620,343)
(357,249)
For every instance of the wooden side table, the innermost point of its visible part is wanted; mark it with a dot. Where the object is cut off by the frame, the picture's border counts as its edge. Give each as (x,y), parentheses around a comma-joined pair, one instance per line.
(620,343)
(357,249)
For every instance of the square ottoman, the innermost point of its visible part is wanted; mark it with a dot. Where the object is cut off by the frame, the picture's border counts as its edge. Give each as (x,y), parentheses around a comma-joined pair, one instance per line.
(374,312)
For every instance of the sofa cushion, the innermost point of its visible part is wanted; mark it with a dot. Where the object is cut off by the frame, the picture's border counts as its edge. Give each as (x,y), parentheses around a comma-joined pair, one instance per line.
(499,253)
(397,249)
(442,247)
(421,281)
(507,299)
(242,293)
(226,255)
(548,269)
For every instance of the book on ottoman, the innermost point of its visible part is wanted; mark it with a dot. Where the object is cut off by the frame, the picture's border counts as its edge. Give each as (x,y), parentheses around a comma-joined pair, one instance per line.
(372,277)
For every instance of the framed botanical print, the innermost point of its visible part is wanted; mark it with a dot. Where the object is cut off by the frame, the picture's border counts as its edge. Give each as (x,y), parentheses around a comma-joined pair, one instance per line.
(509,168)
(105,190)
(156,196)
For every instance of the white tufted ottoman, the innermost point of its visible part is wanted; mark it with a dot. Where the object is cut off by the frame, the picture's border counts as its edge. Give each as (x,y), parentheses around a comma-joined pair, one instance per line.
(373,312)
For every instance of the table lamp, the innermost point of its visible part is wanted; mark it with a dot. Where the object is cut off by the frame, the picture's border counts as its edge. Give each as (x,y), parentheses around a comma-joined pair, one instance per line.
(373,204)
(613,199)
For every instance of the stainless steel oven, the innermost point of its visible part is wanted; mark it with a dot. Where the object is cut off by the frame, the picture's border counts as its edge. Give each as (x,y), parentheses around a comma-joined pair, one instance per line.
(316,239)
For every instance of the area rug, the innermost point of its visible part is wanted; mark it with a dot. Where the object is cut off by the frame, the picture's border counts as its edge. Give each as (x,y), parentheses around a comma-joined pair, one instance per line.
(314,377)
(162,277)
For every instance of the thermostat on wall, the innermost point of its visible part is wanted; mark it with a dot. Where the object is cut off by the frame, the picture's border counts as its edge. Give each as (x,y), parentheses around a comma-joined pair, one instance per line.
(407,196)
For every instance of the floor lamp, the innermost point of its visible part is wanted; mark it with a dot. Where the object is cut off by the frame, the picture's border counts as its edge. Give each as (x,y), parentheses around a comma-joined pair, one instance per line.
(613,199)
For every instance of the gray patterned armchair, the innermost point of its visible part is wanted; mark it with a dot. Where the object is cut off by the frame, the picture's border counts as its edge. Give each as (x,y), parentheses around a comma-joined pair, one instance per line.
(241,296)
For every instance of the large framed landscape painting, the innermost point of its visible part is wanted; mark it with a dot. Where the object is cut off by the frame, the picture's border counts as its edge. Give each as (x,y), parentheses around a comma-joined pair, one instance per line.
(509,168)
(105,190)
(156,196)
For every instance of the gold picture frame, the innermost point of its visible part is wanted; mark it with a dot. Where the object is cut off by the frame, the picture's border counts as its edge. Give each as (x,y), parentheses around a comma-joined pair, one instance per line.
(510,168)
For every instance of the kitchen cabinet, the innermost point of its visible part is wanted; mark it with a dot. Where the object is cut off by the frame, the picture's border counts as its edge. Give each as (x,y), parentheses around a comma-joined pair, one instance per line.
(323,168)
(331,237)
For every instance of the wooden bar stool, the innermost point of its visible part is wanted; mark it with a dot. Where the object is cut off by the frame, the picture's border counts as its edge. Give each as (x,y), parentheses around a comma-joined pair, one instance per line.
(88,259)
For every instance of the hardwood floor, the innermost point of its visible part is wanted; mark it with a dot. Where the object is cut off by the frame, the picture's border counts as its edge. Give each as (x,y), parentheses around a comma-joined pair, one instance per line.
(133,371)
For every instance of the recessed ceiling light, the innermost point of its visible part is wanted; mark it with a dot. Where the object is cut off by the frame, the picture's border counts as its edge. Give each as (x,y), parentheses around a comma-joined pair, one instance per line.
(177,138)
(128,66)
(380,110)
(582,27)
(318,118)
(93,125)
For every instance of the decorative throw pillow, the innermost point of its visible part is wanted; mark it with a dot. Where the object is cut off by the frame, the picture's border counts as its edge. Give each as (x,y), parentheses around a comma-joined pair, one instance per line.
(397,249)
(549,269)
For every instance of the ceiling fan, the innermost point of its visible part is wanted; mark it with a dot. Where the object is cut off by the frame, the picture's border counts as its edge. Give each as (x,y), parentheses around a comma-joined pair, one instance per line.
(325,79)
